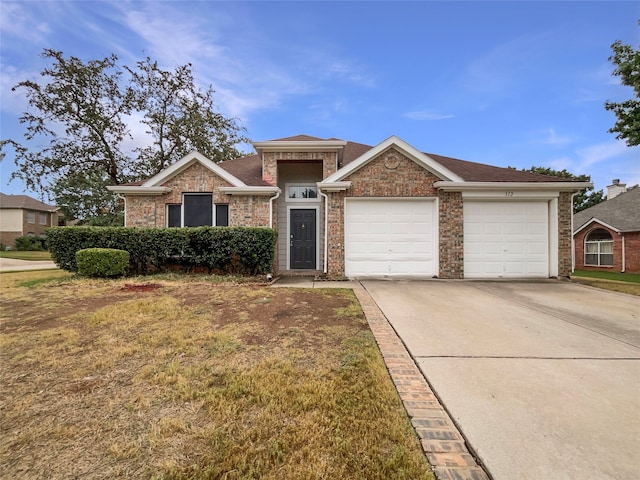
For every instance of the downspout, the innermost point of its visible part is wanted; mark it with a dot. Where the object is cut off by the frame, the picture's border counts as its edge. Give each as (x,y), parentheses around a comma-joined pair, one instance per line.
(271,207)
(326,226)
(624,258)
(124,200)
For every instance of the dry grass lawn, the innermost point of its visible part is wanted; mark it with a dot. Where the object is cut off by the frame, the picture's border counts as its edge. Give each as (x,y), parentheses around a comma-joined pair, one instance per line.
(615,286)
(176,379)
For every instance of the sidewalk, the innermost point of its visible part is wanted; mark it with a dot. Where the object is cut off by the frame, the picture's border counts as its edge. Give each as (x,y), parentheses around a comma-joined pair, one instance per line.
(15,265)
(441,441)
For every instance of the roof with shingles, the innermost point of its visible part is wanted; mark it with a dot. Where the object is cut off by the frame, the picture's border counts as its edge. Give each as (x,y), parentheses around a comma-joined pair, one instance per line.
(24,202)
(621,212)
(249,168)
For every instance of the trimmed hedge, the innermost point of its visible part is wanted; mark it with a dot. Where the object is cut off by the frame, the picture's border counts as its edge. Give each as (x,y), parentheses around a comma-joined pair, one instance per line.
(102,262)
(244,250)
(30,244)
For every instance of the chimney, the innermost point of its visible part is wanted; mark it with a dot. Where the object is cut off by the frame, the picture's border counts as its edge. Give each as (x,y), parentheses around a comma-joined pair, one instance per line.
(616,188)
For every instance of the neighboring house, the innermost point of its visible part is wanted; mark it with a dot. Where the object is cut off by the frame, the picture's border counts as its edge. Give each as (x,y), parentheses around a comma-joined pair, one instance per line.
(22,215)
(348,209)
(607,235)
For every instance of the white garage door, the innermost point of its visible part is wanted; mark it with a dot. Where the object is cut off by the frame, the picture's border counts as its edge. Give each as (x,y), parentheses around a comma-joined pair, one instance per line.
(391,237)
(506,239)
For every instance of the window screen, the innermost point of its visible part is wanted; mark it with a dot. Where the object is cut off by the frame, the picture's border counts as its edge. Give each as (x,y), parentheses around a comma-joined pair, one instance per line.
(198,210)
(174,215)
(222,215)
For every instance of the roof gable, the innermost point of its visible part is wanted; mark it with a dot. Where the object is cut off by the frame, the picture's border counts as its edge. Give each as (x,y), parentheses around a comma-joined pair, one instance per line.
(622,213)
(420,158)
(184,163)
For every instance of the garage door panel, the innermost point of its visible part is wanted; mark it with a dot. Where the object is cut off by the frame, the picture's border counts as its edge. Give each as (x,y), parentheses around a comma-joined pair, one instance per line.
(506,239)
(390,237)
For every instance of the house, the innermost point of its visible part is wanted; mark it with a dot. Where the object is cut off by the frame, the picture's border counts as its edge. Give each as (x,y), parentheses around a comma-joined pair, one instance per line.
(21,215)
(348,209)
(607,235)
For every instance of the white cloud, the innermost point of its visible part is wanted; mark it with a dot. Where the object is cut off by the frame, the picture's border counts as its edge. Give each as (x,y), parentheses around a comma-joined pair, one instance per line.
(560,163)
(18,22)
(552,138)
(347,71)
(248,72)
(427,115)
(498,68)
(601,152)
(13,102)
(243,78)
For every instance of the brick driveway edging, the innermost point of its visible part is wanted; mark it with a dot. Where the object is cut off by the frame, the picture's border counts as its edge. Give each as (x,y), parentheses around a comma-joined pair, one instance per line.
(441,441)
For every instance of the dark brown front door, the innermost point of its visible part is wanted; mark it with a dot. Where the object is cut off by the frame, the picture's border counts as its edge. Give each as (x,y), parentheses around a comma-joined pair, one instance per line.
(302,240)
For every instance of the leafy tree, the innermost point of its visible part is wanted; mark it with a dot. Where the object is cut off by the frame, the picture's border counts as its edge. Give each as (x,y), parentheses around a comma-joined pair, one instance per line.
(180,118)
(78,128)
(627,62)
(85,196)
(586,198)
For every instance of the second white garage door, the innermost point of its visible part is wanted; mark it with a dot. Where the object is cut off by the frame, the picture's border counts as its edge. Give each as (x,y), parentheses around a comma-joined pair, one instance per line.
(506,239)
(391,237)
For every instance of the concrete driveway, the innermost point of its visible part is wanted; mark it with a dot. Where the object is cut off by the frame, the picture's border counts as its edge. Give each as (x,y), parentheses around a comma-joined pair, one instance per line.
(543,378)
(16,265)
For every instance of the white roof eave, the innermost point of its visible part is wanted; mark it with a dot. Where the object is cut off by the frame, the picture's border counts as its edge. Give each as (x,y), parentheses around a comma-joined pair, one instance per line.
(250,190)
(138,190)
(333,186)
(488,186)
(299,145)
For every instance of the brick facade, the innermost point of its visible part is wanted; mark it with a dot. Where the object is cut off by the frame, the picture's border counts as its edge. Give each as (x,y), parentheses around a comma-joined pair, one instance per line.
(451,235)
(391,174)
(9,238)
(631,250)
(565,208)
(335,232)
(150,210)
(248,211)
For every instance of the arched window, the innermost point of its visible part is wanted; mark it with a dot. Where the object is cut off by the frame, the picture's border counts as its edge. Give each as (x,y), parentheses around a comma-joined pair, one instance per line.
(598,248)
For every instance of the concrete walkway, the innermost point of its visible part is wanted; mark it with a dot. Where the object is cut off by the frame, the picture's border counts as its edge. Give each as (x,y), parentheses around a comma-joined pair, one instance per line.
(441,441)
(15,265)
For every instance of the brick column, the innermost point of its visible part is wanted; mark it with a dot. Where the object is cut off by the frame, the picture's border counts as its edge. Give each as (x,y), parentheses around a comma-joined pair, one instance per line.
(451,235)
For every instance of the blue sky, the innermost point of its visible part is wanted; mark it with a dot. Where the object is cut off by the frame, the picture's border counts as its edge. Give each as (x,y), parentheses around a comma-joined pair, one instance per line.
(504,83)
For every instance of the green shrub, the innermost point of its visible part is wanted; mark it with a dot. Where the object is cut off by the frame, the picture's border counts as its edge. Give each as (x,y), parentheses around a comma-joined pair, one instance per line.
(30,244)
(102,262)
(242,250)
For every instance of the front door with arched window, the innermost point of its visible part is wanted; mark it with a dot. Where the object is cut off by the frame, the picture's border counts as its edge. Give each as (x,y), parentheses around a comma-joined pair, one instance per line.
(598,248)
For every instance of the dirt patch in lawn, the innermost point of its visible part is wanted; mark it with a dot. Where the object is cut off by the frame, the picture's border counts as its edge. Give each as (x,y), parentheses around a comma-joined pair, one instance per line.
(171,379)
(141,287)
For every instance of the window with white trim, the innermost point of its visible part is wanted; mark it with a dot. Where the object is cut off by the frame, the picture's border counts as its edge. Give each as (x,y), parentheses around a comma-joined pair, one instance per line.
(31,216)
(197,210)
(302,192)
(43,218)
(598,248)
